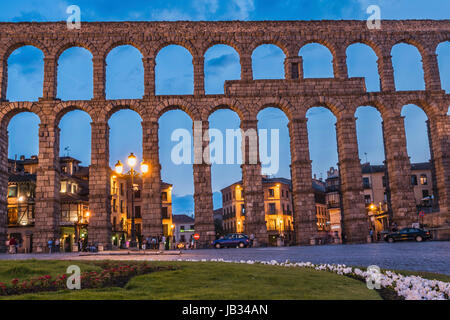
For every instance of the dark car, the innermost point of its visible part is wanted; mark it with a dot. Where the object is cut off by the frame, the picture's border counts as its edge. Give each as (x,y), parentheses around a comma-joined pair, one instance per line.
(232,240)
(408,234)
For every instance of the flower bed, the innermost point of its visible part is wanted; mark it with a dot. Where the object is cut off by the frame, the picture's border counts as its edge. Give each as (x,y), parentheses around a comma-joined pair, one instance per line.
(112,275)
(405,287)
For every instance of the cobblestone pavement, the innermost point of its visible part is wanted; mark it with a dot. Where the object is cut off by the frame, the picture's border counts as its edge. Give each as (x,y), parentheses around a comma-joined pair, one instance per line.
(426,256)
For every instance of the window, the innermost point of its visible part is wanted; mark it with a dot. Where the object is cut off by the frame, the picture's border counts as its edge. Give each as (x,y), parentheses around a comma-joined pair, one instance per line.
(181,228)
(425,193)
(282,192)
(366,182)
(164,196)
(287,194)
(367,199)
(12,191)
(121,206)
(272,208)
(414,180)
(271,192)
(121,189)
(114,205)
(137,194)
(165,214)
(137,211)
(384,181)
(423,179)
(192,227)
(242,210)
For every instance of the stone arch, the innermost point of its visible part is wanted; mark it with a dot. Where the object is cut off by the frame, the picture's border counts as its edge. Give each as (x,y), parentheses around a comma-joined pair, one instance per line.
(15,108)
(174,104)
(279,103)
(116,105)
(420,67)
(13,45)
(270,40)
(178,42)
(368,42)
(224,41)
(413,42)
(227,103)
(371,63)
(106,50)
(72,44)
(335,106)
(329,63)
(326,43)
(255,61)
(430,108)
(62,108)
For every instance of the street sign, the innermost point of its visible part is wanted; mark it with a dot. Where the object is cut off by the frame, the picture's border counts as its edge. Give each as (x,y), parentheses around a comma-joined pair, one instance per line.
(421,213)
(196,236)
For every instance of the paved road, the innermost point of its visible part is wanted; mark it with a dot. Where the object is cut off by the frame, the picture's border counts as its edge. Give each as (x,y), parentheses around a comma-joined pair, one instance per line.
(433,256)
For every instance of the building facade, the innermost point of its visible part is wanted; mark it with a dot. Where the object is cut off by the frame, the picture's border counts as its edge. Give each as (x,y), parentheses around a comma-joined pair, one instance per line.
(377,196)
(74,208)
(183,228)
(278,208)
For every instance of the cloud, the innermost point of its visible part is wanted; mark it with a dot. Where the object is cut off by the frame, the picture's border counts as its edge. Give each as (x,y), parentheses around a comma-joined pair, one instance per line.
(241,9)
(222,61)
(170,15)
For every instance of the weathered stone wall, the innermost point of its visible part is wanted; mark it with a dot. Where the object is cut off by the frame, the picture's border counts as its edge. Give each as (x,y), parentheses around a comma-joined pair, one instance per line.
(247,97)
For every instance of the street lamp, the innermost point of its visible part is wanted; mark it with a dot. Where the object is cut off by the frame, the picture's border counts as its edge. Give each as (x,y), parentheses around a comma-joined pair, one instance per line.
(132,161)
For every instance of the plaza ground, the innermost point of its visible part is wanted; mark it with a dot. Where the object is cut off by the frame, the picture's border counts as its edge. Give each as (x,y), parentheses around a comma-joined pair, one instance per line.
(430,256)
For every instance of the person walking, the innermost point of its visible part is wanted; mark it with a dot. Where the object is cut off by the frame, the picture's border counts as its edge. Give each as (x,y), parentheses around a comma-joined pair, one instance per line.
(12,245)
(50,245)
(144,243)
(57,245)
(252,238)
(371,234)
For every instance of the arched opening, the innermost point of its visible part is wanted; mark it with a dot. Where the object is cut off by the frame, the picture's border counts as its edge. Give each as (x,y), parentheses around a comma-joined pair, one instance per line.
(317,61)
(75,136)
(322,140)
(362,62)
(75,74)
(25,74)
(176,153)
(221,64)
(23,150)
(226,174)
(370,135)
(275,157)
(23,142)
(124,73)
(408,70)
(268,62)
(416,129)
(174,71)
(125,137)
(443,52)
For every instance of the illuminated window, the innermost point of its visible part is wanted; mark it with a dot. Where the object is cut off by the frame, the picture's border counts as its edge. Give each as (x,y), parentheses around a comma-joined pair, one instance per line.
(271,192)
(423,179)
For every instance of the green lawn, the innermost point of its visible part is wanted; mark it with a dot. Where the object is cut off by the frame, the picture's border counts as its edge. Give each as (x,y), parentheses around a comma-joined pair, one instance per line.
(204,280)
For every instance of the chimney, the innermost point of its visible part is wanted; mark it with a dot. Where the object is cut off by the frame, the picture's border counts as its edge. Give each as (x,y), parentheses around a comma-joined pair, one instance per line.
(22,157)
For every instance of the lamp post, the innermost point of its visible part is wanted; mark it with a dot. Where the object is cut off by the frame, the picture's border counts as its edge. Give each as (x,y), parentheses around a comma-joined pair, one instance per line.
(131,161)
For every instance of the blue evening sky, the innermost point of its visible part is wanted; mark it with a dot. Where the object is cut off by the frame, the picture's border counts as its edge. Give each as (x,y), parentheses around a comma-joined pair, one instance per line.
(174,75)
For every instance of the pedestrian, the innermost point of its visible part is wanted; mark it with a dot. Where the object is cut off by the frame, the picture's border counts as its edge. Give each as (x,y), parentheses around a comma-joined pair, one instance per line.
(50,245)
(252,237)
(57,245)
(12,245)
(144,244)
(371,234)
(154,243)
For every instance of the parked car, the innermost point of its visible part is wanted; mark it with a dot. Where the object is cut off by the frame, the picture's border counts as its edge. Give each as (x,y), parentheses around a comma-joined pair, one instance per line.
(232,240)
(408,234)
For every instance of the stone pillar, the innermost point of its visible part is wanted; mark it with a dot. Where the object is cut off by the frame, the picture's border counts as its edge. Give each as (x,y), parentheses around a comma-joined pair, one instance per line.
(255,219)
(403,202)
(149,76)
(151,186)
(431,72)
(354,216)
(47,210)
(199,76)
(340,64)
(99,65)
(246,67)
(305,219)
(386,73)
(3,189)
(50,79)
(99,230)
(439,127)
(293,67)
(3,79)
(204,219)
